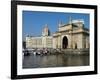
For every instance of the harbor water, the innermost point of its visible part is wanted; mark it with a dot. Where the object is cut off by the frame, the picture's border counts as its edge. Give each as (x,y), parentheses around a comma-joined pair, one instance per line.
(55,60)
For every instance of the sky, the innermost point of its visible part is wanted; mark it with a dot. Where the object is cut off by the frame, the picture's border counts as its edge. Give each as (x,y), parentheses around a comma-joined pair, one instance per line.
(34,21)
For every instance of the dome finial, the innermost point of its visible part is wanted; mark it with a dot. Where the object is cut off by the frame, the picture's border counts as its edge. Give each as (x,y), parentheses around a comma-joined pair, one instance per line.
(46,25)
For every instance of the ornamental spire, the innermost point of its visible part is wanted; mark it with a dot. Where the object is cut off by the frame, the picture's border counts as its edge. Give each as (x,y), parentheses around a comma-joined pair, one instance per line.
(70,20)
(59,23)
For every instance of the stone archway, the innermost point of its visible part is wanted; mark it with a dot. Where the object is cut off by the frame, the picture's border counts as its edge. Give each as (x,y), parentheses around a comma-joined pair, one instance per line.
(64,42)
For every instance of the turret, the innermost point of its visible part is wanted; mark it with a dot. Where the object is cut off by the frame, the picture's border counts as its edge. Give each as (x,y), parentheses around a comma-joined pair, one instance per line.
(45,31)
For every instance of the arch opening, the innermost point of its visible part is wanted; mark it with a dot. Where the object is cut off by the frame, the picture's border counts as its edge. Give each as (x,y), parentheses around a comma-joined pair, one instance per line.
(65,42)
(75,46)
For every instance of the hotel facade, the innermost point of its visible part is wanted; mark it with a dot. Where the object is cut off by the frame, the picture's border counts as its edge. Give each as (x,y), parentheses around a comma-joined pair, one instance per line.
(44,41)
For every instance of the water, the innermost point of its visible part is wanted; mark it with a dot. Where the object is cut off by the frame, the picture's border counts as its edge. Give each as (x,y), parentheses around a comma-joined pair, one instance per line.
(58,60)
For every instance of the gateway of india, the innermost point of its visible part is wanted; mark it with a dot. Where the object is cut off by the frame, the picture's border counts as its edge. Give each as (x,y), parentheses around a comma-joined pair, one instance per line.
(72,35)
